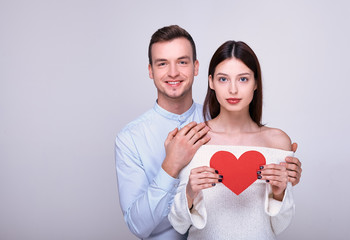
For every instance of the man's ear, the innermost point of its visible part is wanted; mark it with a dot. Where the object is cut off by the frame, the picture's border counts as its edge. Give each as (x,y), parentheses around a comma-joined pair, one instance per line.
(196,67)
(150,71)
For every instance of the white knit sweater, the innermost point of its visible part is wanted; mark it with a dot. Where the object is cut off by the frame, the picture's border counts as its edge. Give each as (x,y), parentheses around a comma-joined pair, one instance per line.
(218,213)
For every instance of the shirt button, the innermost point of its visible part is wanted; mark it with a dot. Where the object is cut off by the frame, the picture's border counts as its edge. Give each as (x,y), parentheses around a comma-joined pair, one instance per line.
(181,118)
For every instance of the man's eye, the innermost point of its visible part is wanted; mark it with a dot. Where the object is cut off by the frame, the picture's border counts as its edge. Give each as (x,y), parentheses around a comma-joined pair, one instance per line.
(183,62)
(161,64)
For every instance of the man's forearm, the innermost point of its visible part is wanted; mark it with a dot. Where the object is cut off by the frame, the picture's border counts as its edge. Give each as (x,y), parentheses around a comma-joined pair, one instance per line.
(145,213)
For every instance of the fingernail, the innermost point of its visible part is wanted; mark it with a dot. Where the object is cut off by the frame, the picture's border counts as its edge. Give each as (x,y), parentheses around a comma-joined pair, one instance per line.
(267,180)
(258,172)
(213,184)
(220,176)
(216,171)
(220,180)
(261,167)
(259,177)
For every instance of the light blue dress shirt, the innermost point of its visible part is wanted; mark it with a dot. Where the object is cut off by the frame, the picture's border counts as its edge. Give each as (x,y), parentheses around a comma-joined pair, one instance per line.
(146,191)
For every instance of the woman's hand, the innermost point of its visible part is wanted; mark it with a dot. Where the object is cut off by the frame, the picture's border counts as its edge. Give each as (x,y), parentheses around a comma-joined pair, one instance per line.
(201,178)
(277,176)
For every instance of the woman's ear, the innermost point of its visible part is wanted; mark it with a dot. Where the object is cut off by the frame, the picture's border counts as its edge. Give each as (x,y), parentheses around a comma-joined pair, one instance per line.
(255,86)
(210,81)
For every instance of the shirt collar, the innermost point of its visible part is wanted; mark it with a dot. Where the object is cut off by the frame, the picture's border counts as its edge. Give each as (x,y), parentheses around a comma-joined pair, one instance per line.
(181,118)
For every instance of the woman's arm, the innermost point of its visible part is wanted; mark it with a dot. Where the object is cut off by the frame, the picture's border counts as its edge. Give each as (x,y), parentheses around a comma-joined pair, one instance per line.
(276,174)
(188,206)
(279,203)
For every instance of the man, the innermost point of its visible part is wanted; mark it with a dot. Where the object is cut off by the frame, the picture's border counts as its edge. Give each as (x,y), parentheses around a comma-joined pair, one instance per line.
(147,171)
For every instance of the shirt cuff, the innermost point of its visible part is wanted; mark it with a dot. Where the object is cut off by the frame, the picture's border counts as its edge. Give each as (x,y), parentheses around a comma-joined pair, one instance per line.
(166,182)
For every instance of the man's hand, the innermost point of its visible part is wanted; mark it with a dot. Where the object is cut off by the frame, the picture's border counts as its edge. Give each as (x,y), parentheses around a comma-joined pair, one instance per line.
(293,166)
(181,145)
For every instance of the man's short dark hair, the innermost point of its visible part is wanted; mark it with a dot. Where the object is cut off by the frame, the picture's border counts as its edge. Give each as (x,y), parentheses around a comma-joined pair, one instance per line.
(169,33)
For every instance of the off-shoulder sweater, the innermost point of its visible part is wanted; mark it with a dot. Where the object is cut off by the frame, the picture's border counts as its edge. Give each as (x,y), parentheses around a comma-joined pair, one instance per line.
(218,213)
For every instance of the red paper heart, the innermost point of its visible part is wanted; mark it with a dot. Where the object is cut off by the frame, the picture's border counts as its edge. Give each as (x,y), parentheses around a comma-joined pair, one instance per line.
(239,173)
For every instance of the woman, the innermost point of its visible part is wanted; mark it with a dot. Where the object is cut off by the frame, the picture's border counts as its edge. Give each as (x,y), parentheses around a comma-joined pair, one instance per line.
(213,205)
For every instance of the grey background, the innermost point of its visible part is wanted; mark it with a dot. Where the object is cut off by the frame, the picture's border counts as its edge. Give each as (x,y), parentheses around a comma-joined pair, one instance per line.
(73,73)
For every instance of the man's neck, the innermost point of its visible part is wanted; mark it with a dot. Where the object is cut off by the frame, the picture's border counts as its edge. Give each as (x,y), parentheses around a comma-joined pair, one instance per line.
(177,106)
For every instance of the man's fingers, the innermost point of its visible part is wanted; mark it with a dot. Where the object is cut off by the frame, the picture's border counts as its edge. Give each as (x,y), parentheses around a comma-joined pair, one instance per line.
(173,133)
(294,181)
(201,142)
(170,136)
(293,160)
(292,167)
(186,129)
(293,164)
(293,174)
(197,132)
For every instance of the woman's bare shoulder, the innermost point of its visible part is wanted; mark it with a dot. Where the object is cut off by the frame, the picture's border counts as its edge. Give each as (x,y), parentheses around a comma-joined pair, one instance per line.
(276,138)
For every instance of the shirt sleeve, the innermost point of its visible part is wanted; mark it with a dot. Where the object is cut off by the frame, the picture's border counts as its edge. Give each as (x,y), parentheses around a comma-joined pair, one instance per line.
(180,217)
(144,203)
(280,212)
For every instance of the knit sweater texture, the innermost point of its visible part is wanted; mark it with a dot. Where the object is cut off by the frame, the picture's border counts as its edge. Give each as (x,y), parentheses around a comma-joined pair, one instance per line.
(220,214)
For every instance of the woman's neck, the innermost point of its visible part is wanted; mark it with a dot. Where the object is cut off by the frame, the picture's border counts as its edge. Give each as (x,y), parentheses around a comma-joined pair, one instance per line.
(234,128)
(233,123)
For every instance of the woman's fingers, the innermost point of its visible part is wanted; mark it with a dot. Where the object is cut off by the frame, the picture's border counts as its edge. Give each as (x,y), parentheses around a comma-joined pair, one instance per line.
(205,175)
(277,176)
(273,172)
(201,178)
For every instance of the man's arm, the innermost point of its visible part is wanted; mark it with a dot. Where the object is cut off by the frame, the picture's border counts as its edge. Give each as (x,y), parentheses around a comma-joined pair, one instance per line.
(145,204)
(293,167)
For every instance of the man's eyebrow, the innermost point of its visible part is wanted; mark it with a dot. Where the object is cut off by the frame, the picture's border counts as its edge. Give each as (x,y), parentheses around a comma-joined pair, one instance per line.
(184,57)
(160,60)
(164,59)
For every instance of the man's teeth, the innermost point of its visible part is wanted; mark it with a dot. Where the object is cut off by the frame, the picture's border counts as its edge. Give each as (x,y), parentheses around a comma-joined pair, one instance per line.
(173,83)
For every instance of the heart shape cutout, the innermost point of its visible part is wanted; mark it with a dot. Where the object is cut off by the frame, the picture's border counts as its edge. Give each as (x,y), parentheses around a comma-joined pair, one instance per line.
(239,173)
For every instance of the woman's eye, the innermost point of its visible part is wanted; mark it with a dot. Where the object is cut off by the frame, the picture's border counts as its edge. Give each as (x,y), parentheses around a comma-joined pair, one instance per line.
(243,79)
(222,79)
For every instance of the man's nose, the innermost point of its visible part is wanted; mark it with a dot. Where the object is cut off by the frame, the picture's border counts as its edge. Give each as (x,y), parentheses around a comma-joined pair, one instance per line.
(173,70)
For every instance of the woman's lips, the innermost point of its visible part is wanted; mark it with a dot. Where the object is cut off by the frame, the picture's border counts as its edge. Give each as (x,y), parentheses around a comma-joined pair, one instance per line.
(233,100)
